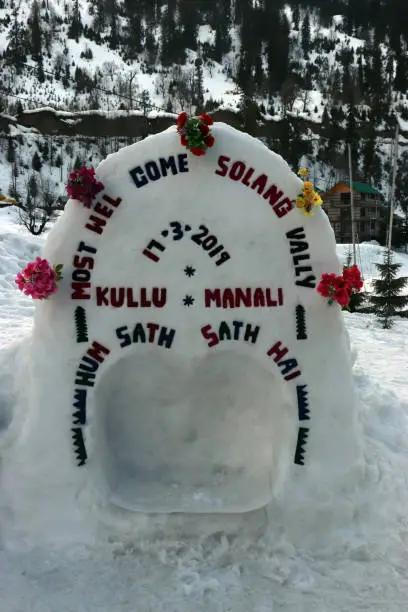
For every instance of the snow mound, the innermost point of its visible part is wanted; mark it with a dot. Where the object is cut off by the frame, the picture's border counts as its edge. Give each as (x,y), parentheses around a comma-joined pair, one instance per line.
(187,363)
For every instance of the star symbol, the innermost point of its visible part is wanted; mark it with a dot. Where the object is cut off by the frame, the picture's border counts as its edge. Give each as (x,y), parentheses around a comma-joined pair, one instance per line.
(188,300)
(189,271)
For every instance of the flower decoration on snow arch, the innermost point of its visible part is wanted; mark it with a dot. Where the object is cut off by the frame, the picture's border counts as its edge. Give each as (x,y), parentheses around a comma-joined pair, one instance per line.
(83,186)
(341,288)
(39,280)
(309,197)
(195,133)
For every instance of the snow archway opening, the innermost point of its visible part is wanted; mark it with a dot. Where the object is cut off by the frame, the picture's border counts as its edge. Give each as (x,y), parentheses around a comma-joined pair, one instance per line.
(218,434)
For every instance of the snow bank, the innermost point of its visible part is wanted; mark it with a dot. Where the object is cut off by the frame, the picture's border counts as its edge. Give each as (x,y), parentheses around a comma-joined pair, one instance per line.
(346,552)
(187,363)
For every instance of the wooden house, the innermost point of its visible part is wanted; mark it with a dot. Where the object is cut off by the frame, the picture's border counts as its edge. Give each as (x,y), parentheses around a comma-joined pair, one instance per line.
(370,210)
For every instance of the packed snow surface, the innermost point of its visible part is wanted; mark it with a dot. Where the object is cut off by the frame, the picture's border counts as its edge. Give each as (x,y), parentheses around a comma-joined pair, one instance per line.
(348,553)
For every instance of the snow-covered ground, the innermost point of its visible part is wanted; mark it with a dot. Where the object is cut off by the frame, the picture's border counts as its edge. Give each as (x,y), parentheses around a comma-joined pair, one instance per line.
(346,554)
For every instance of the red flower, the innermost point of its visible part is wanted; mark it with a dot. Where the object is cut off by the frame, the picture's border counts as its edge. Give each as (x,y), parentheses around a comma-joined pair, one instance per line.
(183,140)
(197,151)
(342,297)
(341,283)
(204,129)
(209,140)
(181,119)
(324,289)
(353,276)
(206,119)
(326,285)
(329,278)
(340,288)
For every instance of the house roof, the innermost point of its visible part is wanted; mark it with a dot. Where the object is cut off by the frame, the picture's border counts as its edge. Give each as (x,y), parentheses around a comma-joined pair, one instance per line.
(362,187)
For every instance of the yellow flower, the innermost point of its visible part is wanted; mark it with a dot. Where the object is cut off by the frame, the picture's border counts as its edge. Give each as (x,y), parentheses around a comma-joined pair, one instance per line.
(307,185)
(308,213)
(300,202)
(303,172)
(317,200)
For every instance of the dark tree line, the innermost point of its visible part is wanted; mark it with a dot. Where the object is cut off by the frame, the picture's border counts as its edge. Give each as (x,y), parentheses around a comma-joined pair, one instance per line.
(273,54)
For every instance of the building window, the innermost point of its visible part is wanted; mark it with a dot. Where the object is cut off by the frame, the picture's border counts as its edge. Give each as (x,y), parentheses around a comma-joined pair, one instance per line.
(373,225)
(362,211)
(362,196)
(345,197)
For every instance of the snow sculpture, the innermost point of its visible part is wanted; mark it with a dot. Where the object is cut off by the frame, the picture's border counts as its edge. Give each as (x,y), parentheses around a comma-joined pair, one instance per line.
(187,363)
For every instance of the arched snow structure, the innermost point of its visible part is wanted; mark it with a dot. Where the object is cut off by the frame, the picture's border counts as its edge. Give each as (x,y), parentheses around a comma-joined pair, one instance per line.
(196,367)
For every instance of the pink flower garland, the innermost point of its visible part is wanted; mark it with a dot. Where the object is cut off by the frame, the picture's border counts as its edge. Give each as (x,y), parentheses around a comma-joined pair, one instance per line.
(83,186)
(38,279)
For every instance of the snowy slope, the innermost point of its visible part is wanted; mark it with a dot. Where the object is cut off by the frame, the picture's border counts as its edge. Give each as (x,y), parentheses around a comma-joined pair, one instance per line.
(345,554)
(122,83)
(112,70)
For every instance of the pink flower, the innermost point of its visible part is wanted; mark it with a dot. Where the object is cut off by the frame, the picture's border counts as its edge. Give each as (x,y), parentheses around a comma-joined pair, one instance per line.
(38,279)
(83,186)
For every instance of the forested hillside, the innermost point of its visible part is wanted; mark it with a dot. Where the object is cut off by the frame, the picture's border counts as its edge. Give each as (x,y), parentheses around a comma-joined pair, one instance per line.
(324,73)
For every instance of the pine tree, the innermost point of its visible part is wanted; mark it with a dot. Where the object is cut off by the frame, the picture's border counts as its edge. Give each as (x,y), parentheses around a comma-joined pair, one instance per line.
(306,35)
(15,52)
(100,18)
(78,163)
(36,162)
(199,84)
(40,70)
(76,28)
(386,299)
(188,20)
(401,77)
(11,154)
(36,34)
(296,16)
(146,106)
(222,41)
(114,26)
(170,38)
(351,129)
(278,46)
(134,38)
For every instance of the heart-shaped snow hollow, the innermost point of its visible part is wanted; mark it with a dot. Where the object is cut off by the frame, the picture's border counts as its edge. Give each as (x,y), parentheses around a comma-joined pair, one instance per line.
(213,436)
